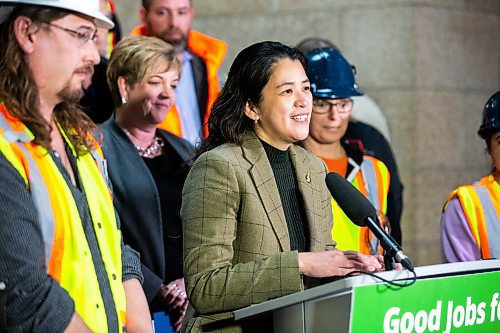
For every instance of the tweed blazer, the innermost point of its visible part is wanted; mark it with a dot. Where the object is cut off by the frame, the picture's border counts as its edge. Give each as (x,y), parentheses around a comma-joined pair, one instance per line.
(236,241)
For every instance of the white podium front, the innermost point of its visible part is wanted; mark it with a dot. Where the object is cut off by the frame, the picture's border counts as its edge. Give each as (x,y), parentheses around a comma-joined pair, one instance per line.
(443,297)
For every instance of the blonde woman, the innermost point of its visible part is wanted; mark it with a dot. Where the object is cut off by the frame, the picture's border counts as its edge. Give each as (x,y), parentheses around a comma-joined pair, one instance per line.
(146,166)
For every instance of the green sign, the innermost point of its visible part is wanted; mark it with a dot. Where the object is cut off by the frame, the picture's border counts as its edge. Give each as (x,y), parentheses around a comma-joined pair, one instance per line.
(465,303)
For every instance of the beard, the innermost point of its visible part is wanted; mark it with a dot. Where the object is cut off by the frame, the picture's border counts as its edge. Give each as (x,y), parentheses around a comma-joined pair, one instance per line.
(179,44)
(71,95)
(74,95)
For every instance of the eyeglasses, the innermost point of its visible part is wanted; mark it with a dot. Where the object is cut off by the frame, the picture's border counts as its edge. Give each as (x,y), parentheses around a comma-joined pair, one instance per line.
(82,37)
(320,106)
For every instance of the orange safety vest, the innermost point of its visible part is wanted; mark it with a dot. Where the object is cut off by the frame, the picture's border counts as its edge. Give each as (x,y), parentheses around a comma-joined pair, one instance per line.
(67,253)
(371,178)
(212,51)
(481,205)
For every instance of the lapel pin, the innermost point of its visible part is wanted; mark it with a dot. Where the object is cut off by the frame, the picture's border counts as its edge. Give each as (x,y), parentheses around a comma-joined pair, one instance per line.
(308,178)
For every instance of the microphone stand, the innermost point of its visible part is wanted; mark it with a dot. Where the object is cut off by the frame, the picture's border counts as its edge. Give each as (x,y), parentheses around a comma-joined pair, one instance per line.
(388,243)
(389,261)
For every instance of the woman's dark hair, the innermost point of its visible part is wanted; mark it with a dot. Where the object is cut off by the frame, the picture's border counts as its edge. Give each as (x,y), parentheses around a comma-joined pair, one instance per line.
(487,135)
(247,77)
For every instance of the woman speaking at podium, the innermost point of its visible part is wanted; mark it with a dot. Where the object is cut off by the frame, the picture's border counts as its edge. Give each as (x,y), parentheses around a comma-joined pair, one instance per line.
(256,212)
(469,224)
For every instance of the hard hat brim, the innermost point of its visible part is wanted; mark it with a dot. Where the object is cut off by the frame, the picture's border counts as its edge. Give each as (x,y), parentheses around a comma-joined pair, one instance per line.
(77,6)
(328,93)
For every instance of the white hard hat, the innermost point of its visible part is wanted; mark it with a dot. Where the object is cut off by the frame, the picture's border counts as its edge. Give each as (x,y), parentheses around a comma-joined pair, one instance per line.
(86,7)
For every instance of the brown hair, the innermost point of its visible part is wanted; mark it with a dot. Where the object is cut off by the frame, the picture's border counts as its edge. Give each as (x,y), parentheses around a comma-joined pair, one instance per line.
(19,92)
(147,3)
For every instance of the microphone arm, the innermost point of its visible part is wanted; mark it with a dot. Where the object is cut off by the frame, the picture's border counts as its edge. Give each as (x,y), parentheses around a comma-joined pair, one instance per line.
(388,243)
(362,213)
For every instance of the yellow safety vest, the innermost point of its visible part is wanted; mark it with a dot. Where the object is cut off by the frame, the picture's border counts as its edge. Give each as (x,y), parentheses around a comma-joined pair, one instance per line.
(67,253)
(481,205)
(371,178)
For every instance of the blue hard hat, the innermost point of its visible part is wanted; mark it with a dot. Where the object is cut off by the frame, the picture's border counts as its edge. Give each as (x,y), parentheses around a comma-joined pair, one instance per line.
(491,116)
(330,74)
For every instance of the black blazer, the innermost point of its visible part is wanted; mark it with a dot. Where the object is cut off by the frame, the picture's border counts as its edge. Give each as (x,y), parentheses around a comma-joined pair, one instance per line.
(137,200)
(200,83)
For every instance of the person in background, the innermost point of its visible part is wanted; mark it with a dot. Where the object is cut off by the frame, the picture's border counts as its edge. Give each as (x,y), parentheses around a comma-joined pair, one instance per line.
(97,102)
(256,212)
(469,224)
(373,143)
(333,85)
(365,109)
(201,57)
(63,265)
(107,39)
(146,168)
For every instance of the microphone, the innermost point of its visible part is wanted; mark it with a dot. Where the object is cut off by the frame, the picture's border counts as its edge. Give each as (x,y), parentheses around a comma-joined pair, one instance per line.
(362,213)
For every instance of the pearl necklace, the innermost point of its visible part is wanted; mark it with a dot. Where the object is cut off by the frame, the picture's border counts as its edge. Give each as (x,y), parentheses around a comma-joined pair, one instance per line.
(153,149)
(150,151)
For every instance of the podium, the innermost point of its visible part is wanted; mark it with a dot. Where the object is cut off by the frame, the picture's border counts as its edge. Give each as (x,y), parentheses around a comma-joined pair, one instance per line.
(456,297)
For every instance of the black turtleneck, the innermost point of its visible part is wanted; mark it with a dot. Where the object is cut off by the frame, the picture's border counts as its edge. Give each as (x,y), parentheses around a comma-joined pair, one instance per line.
(291,198)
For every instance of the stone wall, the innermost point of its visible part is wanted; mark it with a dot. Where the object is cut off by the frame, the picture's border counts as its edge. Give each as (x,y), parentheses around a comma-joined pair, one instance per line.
(429,64)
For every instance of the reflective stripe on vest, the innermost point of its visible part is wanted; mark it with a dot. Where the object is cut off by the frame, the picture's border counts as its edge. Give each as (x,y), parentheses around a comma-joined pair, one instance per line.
(481,204)
(372,179)
(371,183)
(377,195)
(491,221)
(67,253)
(39,194)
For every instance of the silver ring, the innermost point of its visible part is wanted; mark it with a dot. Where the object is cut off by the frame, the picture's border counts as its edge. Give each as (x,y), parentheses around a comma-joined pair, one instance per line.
(183,294)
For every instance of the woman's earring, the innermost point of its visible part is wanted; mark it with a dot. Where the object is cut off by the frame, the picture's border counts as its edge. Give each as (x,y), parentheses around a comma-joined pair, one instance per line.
(124,101)
(256,121)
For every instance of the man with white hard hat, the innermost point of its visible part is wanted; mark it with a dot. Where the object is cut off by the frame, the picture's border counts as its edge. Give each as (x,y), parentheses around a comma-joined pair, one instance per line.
(63,265)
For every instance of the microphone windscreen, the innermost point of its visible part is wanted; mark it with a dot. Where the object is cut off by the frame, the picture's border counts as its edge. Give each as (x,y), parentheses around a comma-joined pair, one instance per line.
(350,199)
